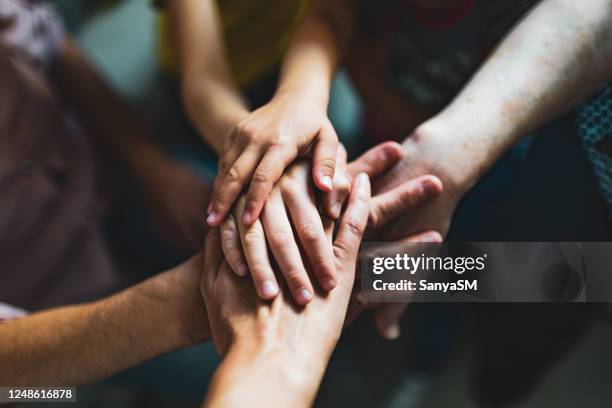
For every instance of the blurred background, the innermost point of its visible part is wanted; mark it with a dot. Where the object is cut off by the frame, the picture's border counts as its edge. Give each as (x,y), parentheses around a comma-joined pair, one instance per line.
(431,365)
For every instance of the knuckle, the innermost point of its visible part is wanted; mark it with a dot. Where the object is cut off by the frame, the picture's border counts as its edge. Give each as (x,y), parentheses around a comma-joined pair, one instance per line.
(261,176)
(232,174)
(247,131)
(288,187)
(252,238)
(224,165)
(308,233)
(327,163)
(354,226)
(229,238)
(280,239)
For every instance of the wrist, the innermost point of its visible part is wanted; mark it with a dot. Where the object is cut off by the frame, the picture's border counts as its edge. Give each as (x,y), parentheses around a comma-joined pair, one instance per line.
(213,108)
(453,153)
(252,369)
(318,95)
(174,298)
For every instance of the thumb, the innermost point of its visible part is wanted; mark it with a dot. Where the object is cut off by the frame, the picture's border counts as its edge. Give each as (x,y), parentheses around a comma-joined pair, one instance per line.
(376,160)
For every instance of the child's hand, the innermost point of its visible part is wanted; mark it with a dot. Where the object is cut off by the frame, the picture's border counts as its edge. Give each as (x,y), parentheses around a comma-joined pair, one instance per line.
(263,144)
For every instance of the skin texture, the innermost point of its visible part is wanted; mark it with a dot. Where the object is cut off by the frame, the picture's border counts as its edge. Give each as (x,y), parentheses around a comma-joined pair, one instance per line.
(215,106)
(559,53)
(293,204)
(277,350)
(254,146)
(84,343)
(265,142)
(289,207)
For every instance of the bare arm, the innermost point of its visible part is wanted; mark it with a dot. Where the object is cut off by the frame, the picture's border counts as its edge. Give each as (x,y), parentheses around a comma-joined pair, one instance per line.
(211,97)
(292,124)
(555,57)
(84,343)
(316,50)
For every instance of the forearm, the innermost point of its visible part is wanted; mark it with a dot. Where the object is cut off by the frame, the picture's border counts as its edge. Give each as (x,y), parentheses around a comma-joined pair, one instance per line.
(260,374)
(560,53)
(211,97)
(316,50)
(80,344)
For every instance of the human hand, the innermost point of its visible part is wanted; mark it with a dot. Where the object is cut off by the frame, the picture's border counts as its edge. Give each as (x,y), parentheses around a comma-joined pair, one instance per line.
(293,203)
(397,201)
(433,160)
(263,340)
(263,144)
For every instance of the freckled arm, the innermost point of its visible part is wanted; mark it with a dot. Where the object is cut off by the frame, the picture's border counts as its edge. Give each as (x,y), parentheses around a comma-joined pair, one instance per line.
(557,55)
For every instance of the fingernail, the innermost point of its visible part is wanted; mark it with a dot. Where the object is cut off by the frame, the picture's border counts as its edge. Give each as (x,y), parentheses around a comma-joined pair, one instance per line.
(432,237)
(268,289)
(241,270)
(327,182)
(209,207)
(303,296)
(336,210)
(328,284)
(430,188)
(247,217)
(392,332)
(212,218)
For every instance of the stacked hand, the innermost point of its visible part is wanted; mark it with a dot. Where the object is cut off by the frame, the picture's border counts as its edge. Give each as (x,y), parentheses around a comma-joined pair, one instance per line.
(292,206)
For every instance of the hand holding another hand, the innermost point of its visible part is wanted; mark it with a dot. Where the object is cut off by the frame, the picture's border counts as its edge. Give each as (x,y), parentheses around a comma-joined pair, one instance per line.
(277,339)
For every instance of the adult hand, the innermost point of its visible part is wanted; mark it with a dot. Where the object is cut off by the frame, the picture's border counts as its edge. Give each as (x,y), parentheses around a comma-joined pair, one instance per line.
(397,196)
(254,334)
(292,203)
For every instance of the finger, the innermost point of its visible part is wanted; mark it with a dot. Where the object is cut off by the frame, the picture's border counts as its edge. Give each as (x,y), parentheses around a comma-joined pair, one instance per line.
(386,320)
(232,249)
(354,220)
(254,247)
(406,197)
(375,161)
(285,250)
(231,183)
(212,258)
(334,200)
(231,152)
(386,317)
(309,227)
(425,237)
(324,160)
(270,169)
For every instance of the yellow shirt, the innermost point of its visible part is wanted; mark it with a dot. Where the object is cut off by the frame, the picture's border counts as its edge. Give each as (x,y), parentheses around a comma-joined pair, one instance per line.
(256,32)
